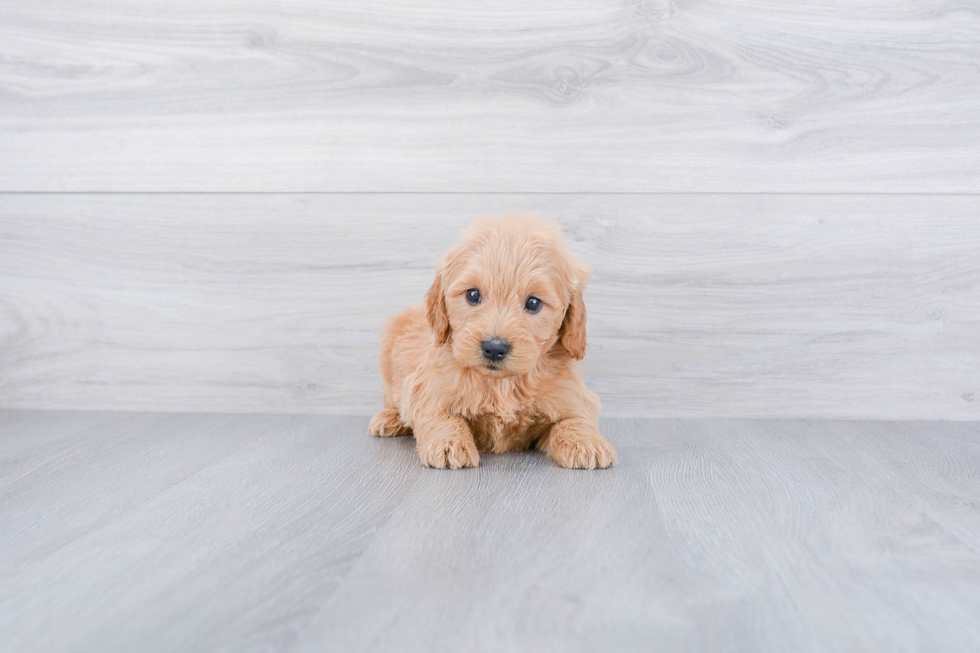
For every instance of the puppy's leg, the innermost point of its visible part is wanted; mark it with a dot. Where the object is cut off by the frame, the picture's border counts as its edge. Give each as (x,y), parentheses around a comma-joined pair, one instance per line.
(445,442)
(388,423)
(575,443)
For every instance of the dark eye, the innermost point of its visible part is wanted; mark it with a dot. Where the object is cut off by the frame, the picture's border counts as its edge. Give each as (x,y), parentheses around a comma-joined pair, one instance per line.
(473,296)
(532,305)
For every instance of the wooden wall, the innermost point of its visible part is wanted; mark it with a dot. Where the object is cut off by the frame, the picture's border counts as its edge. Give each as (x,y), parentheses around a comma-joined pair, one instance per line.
(212,207)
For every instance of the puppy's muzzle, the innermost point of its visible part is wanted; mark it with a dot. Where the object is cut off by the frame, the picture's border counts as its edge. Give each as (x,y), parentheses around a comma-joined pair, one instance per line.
(495,349)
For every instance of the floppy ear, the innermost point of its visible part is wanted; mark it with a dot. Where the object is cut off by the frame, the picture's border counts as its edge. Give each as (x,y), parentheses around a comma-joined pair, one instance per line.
(435,311)
(572,331)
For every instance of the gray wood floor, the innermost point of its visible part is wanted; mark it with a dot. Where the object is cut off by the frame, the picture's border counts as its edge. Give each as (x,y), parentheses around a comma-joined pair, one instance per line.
(198,532)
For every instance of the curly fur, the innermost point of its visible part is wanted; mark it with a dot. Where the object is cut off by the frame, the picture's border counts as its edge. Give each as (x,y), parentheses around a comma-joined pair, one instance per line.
(438,385)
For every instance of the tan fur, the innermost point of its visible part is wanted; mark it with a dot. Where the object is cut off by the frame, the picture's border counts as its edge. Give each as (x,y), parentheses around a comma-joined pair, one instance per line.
(437,384)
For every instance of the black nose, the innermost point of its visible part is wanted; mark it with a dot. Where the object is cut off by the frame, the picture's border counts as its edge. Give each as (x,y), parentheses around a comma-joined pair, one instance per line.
(495,349)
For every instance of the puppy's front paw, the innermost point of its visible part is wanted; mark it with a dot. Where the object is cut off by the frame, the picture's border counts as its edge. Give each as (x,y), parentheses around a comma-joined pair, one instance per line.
(388,423)
(582,452)
(448,453)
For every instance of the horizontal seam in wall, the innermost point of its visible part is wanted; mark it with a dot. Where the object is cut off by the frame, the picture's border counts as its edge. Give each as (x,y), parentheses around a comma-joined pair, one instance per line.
(517,192)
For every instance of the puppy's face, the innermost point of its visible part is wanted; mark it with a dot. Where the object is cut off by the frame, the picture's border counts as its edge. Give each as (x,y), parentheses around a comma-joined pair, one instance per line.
(506,294)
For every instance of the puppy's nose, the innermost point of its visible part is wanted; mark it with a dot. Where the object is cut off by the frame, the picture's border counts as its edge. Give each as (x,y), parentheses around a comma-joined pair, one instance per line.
(495,349)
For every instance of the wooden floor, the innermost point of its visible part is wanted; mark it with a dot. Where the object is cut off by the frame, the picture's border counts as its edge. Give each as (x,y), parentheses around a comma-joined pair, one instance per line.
(206,532)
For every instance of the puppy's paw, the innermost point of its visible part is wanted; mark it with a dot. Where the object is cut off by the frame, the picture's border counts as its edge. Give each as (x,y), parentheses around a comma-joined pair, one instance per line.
(582,452)
(388,423)
(448,453)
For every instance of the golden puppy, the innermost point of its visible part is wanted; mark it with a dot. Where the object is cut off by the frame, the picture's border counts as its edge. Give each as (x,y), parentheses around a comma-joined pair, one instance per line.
(489,362)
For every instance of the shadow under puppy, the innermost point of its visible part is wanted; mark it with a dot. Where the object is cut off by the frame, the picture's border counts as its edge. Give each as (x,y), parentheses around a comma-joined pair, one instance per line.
(489,362)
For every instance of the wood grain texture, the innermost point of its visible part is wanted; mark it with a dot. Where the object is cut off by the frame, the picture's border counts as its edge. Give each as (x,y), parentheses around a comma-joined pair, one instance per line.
(700,305)
(105,524)
(165,532)
(570,95)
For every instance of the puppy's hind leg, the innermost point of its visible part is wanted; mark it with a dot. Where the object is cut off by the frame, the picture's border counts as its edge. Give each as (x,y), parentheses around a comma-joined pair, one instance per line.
(388,423)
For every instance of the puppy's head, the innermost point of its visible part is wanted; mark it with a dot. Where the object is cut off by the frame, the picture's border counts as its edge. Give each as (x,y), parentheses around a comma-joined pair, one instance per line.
(506,294)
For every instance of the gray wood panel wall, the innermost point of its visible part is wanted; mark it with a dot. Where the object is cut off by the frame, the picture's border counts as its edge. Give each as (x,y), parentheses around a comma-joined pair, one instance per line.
(553,95)
(213,207)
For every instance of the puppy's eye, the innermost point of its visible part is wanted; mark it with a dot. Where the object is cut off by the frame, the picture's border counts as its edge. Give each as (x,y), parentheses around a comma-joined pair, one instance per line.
(473,296)
(532,305)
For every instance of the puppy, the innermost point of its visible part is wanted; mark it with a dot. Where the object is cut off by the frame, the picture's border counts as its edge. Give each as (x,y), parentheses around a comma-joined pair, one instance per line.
(489,362)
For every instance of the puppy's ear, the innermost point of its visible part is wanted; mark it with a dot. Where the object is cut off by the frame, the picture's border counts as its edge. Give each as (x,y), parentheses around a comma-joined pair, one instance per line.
(435,311)
(572,331)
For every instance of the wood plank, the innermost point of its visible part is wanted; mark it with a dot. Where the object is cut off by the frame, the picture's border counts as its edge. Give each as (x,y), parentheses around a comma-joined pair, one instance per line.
(711,535)
(570,95)
(700,305)
(260,532)
(183,532)
(25,433)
